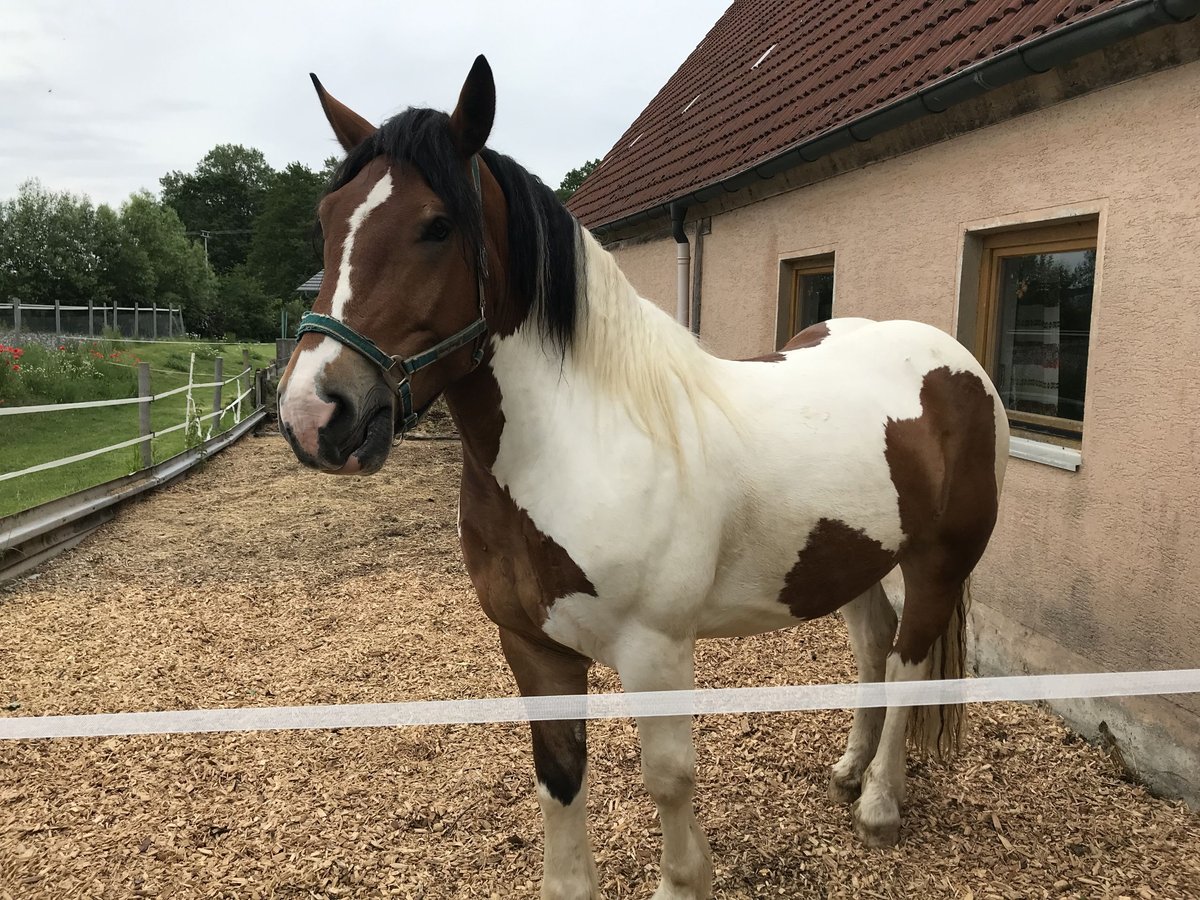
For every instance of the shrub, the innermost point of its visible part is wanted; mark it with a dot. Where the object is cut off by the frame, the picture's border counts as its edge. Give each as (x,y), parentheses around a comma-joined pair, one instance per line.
(68,373)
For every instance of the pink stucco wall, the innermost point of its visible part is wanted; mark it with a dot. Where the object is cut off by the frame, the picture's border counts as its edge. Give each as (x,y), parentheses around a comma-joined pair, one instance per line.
(1103,563)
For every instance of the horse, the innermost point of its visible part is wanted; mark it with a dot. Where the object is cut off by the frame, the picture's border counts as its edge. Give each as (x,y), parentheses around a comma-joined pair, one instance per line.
(625,493)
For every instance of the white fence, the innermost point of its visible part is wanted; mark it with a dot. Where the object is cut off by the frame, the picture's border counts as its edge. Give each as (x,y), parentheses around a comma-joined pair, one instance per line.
(56,318)
(145,399)
(30,537)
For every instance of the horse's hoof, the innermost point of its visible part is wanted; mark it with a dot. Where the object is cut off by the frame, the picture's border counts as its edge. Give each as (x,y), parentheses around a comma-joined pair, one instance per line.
(877,823)
(843,788)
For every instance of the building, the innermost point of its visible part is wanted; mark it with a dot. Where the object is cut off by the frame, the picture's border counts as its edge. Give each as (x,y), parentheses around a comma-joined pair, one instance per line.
(1025,176)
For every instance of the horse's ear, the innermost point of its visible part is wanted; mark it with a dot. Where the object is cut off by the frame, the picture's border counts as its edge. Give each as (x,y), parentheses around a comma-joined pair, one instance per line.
(349,127)
(471,121)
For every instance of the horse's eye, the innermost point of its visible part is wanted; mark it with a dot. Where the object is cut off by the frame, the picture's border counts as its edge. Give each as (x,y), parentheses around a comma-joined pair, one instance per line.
(437,230)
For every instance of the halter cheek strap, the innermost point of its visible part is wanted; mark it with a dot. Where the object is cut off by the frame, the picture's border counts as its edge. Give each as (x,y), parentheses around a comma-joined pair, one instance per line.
(400,370)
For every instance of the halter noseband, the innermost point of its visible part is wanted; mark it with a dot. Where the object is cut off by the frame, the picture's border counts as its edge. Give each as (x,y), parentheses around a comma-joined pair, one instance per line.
(401,369)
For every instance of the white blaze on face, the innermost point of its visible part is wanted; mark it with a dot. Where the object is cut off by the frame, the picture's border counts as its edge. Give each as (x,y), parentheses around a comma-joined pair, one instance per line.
(341,294)
(301,407)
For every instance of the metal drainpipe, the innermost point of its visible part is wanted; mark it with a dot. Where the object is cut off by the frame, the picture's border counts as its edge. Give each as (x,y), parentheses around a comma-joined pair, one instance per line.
(683,262)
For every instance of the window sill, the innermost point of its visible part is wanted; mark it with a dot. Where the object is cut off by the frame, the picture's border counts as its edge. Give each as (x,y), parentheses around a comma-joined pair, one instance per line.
(1056,455)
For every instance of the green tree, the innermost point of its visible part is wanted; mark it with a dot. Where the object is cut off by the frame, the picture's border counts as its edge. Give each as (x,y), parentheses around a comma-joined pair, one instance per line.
(126,272)
(179,273)
(282,248)
(573,179)
(222,196)
(244,308)
(48,246)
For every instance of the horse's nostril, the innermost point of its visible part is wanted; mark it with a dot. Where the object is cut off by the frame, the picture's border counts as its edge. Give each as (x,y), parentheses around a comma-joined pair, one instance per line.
(340,402)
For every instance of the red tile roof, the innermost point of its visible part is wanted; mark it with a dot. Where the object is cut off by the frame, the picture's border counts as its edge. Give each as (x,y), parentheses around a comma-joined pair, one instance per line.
(729,108)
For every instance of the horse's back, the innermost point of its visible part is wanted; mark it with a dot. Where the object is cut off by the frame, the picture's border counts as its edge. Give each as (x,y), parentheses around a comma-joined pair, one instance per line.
(854,371)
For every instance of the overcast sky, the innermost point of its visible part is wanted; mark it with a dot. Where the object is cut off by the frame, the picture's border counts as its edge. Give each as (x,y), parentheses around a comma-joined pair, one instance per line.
(103,98)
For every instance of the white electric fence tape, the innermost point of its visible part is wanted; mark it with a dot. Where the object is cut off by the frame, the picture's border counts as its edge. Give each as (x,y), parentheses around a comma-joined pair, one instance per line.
(608,706)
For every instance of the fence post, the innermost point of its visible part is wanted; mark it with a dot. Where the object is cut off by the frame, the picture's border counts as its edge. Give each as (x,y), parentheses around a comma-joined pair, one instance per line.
(154,320)
(249,382)
(170,321)
(57,317)
(17,315)
(218,374)
(116,327)
(91,318)
(144,414)
(137,323)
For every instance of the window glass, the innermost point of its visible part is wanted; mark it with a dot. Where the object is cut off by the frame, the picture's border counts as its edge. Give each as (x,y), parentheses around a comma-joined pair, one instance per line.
(816,298)
(1044,316)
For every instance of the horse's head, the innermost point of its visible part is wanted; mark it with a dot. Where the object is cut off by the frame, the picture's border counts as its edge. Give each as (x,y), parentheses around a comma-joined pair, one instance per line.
(404,262)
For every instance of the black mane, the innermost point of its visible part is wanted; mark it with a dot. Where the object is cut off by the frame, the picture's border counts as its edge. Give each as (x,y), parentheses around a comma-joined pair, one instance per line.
(544,264)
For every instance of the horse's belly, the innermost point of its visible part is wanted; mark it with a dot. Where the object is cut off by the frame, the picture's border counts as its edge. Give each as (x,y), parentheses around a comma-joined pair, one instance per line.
(743,616)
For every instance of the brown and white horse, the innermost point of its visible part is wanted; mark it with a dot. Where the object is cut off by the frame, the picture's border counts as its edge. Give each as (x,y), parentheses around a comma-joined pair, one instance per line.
(625,493)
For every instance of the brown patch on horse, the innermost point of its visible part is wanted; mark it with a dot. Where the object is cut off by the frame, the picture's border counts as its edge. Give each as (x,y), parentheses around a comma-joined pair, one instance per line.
(943,464)
(474,403)
(836,565)
(773,357)
(809,337)
(518,571)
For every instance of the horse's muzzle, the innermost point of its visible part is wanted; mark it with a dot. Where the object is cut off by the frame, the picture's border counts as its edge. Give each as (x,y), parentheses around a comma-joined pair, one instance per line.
(340,437)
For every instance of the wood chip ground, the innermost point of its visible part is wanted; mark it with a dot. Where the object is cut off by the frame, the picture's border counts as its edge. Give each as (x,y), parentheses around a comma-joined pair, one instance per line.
(253,583)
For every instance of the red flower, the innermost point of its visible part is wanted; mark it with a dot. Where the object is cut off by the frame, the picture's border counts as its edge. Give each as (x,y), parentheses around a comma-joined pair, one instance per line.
(16,368)
(61,347)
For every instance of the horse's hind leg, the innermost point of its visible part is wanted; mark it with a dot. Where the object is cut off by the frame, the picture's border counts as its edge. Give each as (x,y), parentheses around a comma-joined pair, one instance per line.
(560,760)
(931,631)
(871,623)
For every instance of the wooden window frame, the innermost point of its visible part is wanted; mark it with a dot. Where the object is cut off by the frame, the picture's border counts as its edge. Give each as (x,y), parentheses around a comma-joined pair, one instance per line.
(1028,241)
(801,269)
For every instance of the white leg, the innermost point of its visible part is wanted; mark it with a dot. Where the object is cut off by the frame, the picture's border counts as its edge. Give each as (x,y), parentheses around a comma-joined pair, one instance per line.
(560,761)
(569,869)
(877,812)
(654,662)
(871,623)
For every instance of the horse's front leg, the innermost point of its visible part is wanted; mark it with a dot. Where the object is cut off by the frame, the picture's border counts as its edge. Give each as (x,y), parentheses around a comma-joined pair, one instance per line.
(650,661)
(560,760)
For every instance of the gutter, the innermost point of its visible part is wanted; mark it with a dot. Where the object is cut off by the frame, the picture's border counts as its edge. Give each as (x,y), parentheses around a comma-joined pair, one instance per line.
(1033,57)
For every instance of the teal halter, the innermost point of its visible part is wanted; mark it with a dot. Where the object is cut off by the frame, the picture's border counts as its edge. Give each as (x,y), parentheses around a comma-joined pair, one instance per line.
(401,369)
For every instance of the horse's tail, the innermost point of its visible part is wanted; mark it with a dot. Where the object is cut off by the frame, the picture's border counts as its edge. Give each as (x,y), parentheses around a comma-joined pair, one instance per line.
(937,730)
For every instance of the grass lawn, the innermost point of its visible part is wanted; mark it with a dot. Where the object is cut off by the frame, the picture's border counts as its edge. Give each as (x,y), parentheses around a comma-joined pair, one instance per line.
(26,440)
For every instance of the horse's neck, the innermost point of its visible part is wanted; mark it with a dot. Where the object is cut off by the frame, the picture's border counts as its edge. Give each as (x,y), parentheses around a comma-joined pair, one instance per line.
(630,368)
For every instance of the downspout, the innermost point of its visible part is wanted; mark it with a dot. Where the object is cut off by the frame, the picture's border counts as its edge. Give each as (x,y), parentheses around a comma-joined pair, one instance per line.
(703,227)
(683,263)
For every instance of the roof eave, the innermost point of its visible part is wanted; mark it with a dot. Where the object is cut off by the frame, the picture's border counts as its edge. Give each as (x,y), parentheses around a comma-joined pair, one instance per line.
(1032,57)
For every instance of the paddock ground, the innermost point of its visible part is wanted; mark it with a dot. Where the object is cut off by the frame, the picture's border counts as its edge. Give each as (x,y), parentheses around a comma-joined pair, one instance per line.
(255,583)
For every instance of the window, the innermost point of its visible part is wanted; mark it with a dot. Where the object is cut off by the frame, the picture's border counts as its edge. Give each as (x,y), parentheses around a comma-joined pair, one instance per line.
(809,298)
(1034,324)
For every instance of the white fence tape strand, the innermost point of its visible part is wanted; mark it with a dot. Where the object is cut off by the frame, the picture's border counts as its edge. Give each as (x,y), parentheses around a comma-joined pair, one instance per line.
(607,706)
